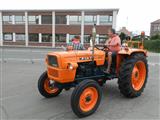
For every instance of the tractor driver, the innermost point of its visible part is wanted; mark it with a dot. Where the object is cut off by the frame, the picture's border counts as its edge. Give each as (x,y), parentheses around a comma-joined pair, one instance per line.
(113,44)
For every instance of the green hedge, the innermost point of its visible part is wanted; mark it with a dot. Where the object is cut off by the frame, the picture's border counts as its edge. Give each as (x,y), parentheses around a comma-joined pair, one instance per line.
(155,37)
(152,45)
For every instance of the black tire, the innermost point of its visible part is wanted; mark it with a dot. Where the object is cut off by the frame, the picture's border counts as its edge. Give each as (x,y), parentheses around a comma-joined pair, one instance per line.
(125,80)
(75,98)
(41,88)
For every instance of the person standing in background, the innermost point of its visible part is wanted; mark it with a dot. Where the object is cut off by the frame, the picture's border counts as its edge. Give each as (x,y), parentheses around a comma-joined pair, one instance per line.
(75,44)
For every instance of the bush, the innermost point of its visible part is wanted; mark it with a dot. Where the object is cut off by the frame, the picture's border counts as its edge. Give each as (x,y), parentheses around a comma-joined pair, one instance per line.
(138,38)
(155,37)
(152,45)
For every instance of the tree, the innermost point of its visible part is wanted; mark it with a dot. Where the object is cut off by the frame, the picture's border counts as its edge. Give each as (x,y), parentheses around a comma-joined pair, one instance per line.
(122,36)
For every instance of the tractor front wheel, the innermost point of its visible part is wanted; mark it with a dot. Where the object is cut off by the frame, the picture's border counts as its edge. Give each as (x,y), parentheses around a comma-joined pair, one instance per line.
(133,75)
(47,87)
(86,98)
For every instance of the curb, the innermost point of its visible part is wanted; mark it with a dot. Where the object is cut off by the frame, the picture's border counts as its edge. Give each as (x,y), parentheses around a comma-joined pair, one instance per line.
(28,47)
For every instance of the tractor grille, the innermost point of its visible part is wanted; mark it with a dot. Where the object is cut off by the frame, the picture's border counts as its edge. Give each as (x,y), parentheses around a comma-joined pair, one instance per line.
(52,61)
(53,72)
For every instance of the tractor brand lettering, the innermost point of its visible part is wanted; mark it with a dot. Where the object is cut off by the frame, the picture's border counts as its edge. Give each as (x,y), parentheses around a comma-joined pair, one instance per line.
(85,58)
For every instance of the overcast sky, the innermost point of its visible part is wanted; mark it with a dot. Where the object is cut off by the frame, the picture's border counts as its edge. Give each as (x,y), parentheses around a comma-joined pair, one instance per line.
(136,15)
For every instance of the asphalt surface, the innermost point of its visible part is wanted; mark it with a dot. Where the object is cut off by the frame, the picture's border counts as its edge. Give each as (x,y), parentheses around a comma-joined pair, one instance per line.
(20,99)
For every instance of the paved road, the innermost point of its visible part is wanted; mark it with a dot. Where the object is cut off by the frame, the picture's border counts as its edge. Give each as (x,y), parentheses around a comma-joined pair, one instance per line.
(20,99)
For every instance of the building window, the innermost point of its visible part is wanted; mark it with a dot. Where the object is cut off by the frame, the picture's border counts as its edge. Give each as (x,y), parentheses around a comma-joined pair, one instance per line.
(155,28)
(159,28)
(7,37)
(104,19)
(87,38)
(7,19)
(19,19)
(102,39)
(61,19)
(46,19)
(110,19)
(33,19)
(75,19)
(60,37)
(46,37)
(90,19)
(33,38)
(20,37)
(152,27)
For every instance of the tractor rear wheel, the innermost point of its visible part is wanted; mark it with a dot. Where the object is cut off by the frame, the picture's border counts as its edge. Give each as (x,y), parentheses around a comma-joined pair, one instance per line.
(86,98)
(47,87)
(133,75)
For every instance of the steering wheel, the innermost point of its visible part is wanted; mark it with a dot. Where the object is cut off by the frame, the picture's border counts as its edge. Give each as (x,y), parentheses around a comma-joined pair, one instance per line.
(104,47)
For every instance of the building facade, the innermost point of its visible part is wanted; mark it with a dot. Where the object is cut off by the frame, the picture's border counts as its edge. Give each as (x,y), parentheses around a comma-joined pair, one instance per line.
(155,28)
(53,27)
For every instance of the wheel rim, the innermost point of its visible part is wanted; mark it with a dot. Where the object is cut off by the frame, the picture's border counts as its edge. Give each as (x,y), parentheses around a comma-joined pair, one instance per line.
(138,75)
(49,86)
(88,99)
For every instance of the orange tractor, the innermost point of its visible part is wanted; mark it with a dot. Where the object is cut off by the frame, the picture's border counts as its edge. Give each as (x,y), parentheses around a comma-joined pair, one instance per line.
(83,70)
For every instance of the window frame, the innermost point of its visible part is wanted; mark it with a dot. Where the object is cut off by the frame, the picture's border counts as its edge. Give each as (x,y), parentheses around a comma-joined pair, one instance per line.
(32,22)
(93,17)
(108,20)
(60,40)
(37,40)
(47,35)
(17,34)
(60,22)
(22,21)
(8,40)
(9,21)
(45,23)
(89,38)
(76,21)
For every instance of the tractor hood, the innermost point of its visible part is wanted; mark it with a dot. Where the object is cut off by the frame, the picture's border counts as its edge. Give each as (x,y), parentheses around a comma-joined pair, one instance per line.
(76,53)
(77,56)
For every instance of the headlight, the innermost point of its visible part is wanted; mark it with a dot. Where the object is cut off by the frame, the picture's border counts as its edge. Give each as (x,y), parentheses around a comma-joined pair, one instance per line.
(70,66)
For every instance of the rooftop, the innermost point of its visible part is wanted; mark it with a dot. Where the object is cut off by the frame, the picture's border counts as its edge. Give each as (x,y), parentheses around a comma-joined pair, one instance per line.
(157,21)
(102,9)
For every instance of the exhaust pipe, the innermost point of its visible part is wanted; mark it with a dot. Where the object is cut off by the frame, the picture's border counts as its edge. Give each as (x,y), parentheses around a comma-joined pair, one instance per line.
(93,40)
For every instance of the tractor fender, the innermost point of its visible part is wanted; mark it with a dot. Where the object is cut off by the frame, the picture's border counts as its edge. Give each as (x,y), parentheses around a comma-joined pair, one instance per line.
(122,54)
